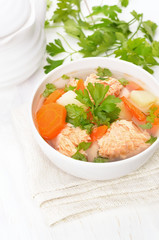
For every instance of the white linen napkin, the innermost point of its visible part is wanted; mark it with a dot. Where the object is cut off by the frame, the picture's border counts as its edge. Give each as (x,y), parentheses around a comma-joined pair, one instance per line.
(62,197)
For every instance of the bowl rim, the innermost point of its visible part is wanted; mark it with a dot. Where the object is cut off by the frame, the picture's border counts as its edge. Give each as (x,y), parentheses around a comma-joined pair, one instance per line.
(74,161)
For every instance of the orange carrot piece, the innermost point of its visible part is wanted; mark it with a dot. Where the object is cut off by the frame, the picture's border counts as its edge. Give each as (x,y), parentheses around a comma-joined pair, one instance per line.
(133,86)
(51,120)
(133,110)
(89,115)
(54,96)
(80,85)
(156,121)
(98,132)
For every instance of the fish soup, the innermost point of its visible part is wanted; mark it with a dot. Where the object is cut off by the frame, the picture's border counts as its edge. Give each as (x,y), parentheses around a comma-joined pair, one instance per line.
(98,116)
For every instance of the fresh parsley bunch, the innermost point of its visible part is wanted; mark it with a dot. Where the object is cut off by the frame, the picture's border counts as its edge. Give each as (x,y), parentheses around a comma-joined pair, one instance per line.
(103,33)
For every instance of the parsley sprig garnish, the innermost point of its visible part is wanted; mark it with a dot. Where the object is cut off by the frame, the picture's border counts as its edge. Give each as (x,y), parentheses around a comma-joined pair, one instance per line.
(123,81)
(152,140)
(79,156)
(149,119)
(103,110)
(68,88)
(50,88)
(108,34)
(103,72)
(77,116)
(82,146)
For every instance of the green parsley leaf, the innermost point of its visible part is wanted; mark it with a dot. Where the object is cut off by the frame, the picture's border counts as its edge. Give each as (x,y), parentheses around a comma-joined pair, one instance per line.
(55,48)
(101,117)
(84,146)
(72,28)
(108,112)
(98,92)
(136,15)
(151,117)
(65,10)
(149,28)
(155,48)
(47,23)
(78,117)
(152,140)
(120,36)
(102,72)
(52,64)
(124,3)
(84,24)
(65,77)
(68,88)
(123,81)
(100,160)
(88,127)
(147,125)
(97,43)
(111,99)
(50,88)
(112,27)
(110,11)
(83,97)
(103,78)
(79,156)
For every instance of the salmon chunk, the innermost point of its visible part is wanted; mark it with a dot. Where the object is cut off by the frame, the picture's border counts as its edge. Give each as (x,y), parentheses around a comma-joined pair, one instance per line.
(114,85)
(72,82)
(123,139)
(69,138)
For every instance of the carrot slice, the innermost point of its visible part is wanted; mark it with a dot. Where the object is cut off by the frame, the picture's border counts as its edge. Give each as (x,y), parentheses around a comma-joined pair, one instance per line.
(89,115)
(54,96)
(133,86)
(98,132)
(133,110)
(51,120)
(80,85)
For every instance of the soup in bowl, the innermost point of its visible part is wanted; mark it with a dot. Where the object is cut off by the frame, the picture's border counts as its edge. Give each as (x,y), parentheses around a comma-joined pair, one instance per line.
(97,118)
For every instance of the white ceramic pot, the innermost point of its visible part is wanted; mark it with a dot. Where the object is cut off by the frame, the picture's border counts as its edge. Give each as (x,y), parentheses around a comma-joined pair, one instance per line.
(22,47)
(89,170)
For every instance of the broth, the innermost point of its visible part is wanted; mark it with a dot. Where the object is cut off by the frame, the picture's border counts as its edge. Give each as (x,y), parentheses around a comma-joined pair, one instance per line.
(133,130)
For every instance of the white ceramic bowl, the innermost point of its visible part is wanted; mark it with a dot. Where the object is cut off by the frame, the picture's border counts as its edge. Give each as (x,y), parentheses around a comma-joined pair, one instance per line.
(89,170)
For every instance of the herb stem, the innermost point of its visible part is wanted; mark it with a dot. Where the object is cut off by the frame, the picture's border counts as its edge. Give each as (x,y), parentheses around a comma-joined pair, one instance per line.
(89,10)
(112,49)
(130,22)
(70,54)
(51,26)
(83,17)
(66,42)
(137,28)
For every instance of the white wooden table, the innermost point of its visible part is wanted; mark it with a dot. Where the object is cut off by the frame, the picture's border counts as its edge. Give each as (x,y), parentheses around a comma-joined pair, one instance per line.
(20,219)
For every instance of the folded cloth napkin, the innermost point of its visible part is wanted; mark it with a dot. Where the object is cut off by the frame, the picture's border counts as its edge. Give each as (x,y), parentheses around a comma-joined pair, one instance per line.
(62,197)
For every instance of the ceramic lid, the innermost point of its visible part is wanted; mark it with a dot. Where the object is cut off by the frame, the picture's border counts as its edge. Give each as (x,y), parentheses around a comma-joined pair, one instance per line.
(14,14)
